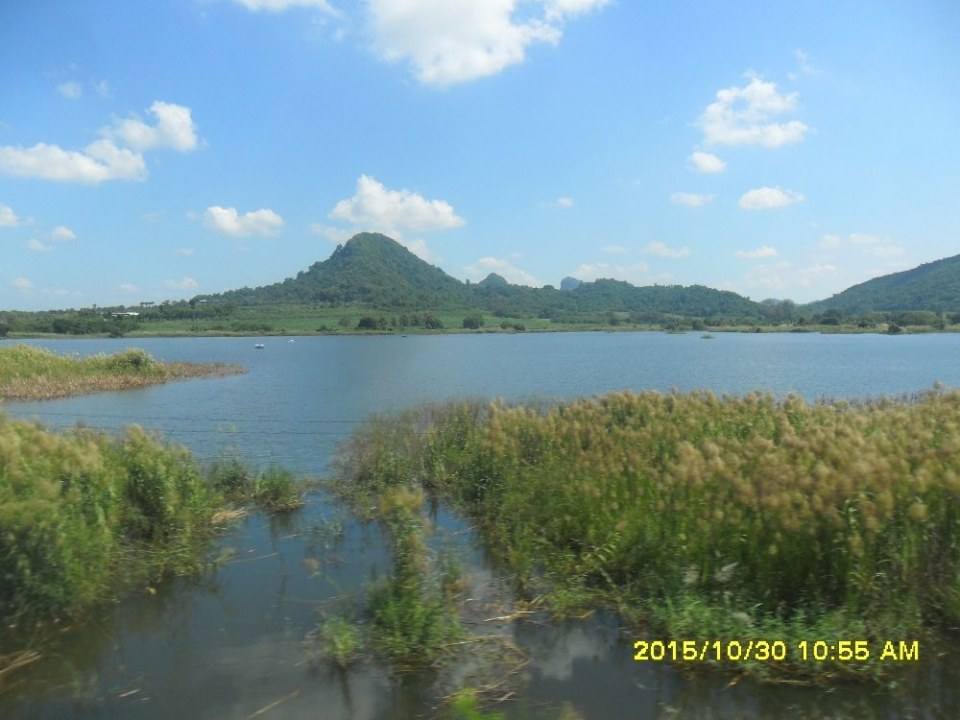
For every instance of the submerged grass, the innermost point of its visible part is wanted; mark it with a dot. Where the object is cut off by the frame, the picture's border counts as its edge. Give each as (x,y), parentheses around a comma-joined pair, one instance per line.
(83,513)
(30,373)
(743,517)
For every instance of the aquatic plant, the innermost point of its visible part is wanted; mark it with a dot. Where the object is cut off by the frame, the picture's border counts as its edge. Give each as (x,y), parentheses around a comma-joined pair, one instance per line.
(341,641)
(273,489)
(31,373)
(412,617)
(83,513)
(780,509)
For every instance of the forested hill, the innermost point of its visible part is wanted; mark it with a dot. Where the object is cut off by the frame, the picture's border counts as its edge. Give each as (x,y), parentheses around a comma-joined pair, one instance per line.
(932,286)
(373,270)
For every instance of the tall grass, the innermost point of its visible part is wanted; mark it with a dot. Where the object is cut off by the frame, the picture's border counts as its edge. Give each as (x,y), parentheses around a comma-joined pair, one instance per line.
(81,512)
(740,514)
(30,373)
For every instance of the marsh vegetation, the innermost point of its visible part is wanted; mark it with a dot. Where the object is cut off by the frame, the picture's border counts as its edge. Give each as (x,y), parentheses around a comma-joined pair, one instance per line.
(31,373)
(699,516)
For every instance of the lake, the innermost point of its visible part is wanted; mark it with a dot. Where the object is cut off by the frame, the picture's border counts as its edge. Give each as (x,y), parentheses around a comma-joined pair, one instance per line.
(230,644)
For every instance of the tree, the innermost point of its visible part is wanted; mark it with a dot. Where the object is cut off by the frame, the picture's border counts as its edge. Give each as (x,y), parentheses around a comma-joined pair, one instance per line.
(432,323)
(473,322)
(4,328)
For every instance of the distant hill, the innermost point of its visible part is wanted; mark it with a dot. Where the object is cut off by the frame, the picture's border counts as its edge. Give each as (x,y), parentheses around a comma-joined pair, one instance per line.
(931,286)
(373,270)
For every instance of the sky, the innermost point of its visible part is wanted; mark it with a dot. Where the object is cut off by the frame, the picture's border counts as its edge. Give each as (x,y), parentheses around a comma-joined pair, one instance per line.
(158,150)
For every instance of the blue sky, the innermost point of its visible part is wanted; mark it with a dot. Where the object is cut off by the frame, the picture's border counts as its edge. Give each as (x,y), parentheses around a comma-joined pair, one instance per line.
(159,150)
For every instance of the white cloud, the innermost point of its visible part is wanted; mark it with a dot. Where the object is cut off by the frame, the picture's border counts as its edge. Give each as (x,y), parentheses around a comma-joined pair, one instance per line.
(764,251)
(22,283)
(864,243)
(563,9)
(102,88)
(281,5)
(63,233)
(375,207)
(336,235)
(454,41)
(228,221)
(184,252)
(589,272)
(564,202)
(803,63)
(707,163)
(174,128)
(8,218)
(128,288)
(663,250)
(34,245)
(420,248)
(70,90)
(185,283)
(691,199)
(767,198)
(746,116)
(510,272)
(615,250)
(99,161)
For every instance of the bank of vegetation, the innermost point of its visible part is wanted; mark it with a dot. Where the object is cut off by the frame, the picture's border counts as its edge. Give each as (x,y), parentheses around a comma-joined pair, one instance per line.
(31,373)
(701,517)
(85,515)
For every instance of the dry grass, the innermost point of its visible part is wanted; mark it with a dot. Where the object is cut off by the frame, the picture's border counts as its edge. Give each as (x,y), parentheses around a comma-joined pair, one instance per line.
(30,373)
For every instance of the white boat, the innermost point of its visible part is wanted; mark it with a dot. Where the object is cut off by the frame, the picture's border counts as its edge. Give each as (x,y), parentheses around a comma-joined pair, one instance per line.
(259,346)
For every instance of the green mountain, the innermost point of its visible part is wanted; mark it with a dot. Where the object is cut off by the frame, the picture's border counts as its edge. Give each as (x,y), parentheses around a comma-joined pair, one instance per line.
(931,286)
(371,269)
(374,271)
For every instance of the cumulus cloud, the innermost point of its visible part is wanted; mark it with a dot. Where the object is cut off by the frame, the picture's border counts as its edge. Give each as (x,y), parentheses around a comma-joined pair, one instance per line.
(691,199)
(228,221)
(663,250)
(173,128)
(764,251)
(453,41)
(281,5)
(784,275)
(128,288)
(336,235)
(63,233)
(70,90)
(564,202)
(747,116)
(615,250)
(8,218)
(102,88)
(185,252)
(510,272)
(99,161)
(375,207)
(589,272)
(22,283)
(184,283)
(768,198)
(707,163)
(117,155)
(35,245)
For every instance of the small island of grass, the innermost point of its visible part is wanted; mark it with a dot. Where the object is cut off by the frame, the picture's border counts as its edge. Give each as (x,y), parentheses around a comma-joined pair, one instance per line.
(30,373)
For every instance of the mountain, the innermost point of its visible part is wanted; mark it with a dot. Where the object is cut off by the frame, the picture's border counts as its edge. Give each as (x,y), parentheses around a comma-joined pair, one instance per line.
(931,286)
(374,271)
(371,269)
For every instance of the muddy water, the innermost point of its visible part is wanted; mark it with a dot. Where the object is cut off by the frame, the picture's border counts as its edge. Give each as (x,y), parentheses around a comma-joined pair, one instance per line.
(231,643)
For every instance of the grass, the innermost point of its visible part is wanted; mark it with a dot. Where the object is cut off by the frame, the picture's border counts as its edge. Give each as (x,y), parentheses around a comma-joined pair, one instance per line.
(746,517)
(84,514)
(30,373)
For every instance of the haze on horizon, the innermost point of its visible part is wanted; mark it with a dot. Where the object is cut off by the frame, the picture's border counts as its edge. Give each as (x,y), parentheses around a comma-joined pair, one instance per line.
(163,150)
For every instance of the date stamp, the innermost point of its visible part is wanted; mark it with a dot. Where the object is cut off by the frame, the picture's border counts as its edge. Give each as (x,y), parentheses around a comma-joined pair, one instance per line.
(776,651)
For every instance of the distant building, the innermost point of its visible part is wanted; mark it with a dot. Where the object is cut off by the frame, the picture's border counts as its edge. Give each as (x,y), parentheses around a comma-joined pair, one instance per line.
(124,314)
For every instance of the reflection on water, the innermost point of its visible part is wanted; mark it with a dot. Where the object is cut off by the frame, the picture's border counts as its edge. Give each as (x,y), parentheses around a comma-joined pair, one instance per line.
(230,643)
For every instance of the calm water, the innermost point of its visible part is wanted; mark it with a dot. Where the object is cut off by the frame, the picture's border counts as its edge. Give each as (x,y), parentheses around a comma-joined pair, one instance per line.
(230,644)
